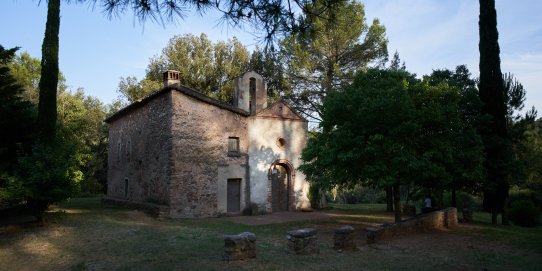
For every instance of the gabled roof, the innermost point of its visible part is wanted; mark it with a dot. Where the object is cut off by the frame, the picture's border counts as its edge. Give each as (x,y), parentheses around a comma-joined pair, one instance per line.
(280,109)
(182,89)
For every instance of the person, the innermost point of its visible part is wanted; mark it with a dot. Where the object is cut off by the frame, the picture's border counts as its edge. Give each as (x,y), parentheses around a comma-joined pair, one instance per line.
(427,205)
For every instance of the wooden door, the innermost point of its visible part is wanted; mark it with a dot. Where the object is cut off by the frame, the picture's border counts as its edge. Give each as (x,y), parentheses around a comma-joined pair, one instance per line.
(234,195)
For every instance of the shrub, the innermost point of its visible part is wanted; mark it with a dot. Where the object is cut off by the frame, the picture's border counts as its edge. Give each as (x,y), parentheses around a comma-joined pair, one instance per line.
(461,197)
(524,213)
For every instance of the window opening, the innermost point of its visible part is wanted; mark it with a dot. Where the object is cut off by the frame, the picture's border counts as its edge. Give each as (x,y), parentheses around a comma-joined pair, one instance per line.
(233,145)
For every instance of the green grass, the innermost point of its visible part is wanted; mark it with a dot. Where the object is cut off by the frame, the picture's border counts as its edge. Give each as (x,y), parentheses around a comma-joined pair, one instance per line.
(83,234)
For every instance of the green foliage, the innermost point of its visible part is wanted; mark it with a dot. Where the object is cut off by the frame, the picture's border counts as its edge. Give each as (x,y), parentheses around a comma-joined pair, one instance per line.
(81,125)
(133,90)
(326,57)
(463,199)
(203,65)
(459,120)
(524,213)
(47,115)
(267,63)
(49,174)
(17,118)
(389,129)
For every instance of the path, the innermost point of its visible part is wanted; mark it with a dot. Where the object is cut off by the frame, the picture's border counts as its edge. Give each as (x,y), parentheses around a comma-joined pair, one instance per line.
(279,217)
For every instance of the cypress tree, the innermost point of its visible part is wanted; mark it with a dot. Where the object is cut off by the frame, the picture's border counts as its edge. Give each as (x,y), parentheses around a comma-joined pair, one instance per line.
(49,74)
(491,89)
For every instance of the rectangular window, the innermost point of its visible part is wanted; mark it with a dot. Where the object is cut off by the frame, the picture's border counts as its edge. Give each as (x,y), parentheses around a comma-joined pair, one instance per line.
(233,145)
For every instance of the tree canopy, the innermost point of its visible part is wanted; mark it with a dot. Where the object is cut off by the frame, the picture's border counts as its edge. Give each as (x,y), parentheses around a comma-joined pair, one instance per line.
(389,129)
(326,57)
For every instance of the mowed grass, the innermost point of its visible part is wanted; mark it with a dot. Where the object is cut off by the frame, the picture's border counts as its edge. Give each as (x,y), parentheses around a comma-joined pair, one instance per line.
(83,234)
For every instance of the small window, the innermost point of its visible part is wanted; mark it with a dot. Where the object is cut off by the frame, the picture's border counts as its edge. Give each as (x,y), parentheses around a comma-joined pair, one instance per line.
(281,142)
(233,145)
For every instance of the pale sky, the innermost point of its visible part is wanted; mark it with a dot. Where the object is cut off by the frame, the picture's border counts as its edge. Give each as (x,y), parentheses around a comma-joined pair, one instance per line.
(428,34)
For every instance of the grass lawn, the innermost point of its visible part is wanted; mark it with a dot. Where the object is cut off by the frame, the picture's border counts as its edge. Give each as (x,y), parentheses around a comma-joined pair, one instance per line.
(83,234)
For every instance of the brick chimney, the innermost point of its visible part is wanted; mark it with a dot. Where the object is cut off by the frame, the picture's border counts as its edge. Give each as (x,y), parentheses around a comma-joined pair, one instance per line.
(171,78)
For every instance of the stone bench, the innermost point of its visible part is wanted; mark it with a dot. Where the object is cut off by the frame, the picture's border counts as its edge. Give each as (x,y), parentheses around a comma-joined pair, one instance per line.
(303,241)
(344,238)
(445,218)
(239,247)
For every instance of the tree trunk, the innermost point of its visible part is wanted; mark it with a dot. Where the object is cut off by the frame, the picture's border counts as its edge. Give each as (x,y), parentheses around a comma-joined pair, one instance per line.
(47,114)
(454,198)
(389,199)
(397,202)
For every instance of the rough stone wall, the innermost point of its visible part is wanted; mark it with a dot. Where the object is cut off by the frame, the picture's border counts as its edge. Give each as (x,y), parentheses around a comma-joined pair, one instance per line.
(200,163)
(139,151)
(446,218)
(264,150)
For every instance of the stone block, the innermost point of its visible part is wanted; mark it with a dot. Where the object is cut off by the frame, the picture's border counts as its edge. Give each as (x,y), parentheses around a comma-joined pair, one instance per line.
(344,238)
(303,241)
(446,218)
(239,247)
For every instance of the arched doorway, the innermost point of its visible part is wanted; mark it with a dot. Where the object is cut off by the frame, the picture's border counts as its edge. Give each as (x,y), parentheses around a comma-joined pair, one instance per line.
(281,186)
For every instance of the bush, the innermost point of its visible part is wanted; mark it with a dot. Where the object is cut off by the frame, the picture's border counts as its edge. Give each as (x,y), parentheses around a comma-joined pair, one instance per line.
(525,194)
(524,213)
(461,197)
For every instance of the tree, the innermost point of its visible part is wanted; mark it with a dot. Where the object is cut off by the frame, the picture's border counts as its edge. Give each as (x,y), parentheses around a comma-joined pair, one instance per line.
(492,94)
(267,63)
(17,118)
(467,170)
(326,57)
(367,135)
(203,65)
(49,74)
(132,90)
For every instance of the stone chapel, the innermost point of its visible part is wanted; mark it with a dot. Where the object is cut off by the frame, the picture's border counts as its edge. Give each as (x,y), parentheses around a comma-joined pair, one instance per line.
(194,156)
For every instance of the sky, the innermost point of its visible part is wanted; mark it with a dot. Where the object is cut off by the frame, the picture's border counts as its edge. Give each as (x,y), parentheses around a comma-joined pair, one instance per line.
(95,51)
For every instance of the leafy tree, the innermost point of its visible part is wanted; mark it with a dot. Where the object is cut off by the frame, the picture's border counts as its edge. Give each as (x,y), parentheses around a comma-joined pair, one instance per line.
(49,174)
(17,118)
(27,71)
(133,90)
(203,65)
(492,94)
(367,135)
(81,126)
(466,171)
(326,57)
(267,63)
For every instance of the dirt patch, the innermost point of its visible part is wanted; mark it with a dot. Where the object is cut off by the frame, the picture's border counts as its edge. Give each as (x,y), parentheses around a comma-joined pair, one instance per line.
(278,217)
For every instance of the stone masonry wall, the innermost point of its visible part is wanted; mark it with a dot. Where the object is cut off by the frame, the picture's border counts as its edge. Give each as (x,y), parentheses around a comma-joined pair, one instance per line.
(200,133)
(139,148)
(445,218)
